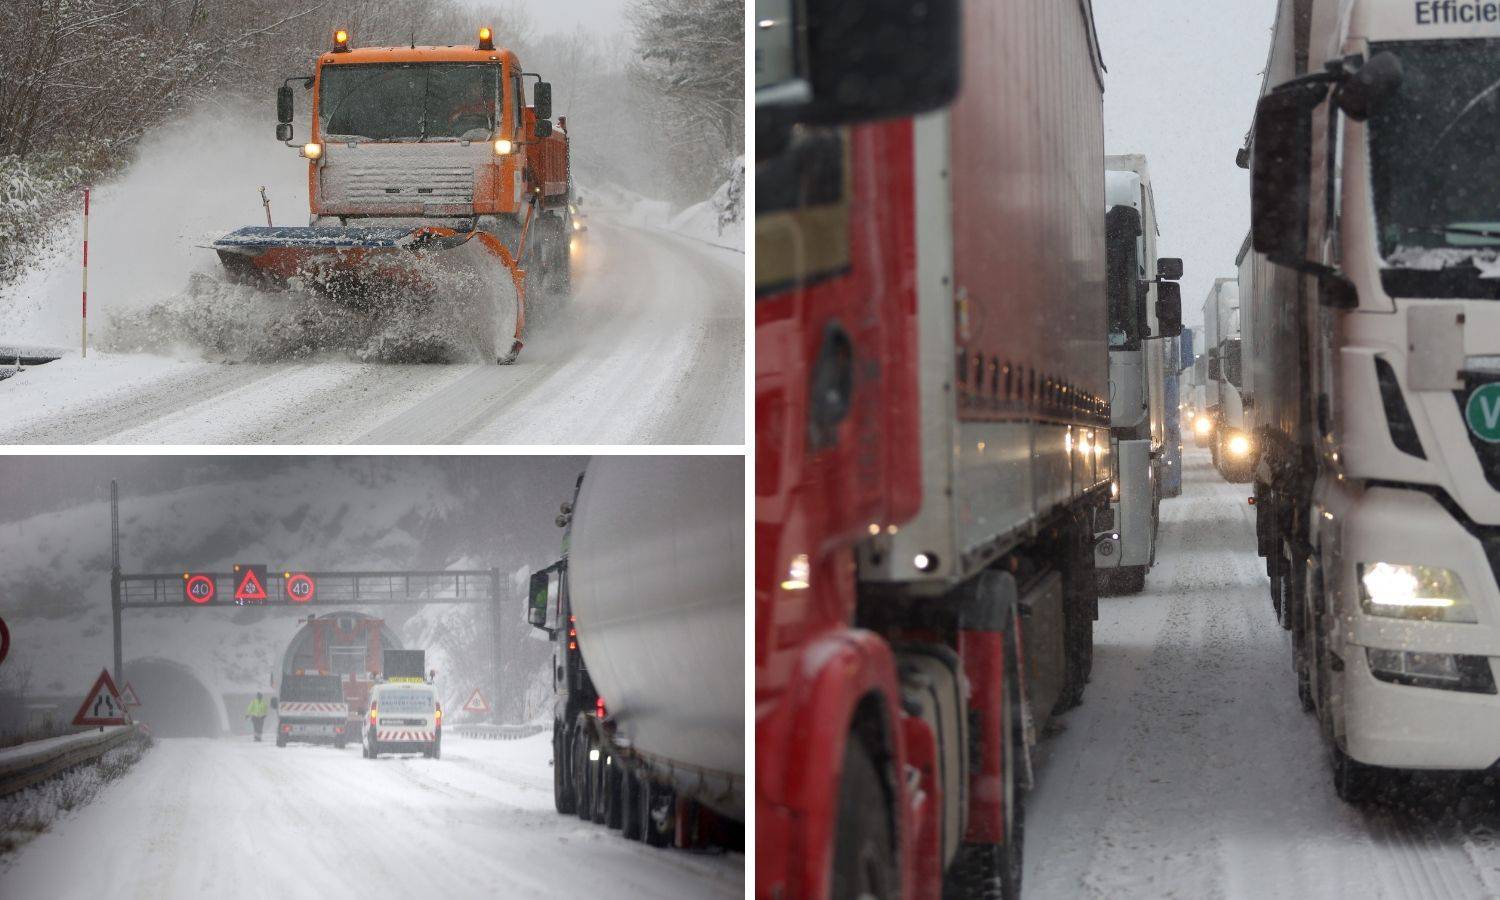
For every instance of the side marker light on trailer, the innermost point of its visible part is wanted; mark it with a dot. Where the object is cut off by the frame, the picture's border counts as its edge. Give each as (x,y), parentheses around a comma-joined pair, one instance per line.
(1250,500)
(593,754)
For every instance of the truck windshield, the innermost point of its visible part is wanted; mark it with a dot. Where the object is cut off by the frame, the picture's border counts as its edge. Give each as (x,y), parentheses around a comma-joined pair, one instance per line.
(400,703)
(1122,228)
(409,101)
(1434,169)
(312,689)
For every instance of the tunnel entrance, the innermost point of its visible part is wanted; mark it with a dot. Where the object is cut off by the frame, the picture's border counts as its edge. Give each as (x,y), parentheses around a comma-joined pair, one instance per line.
(174,703)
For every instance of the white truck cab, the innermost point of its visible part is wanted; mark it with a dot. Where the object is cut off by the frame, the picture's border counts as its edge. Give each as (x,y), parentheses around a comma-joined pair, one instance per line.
(405,717)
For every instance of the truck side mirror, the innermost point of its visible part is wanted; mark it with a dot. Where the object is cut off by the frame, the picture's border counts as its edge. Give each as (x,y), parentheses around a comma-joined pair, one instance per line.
(284,132)
(284,105)
(1169,306)
(1281,172)
(1168,268)
(831,62)
(536,608)
(541,101)
(543,128)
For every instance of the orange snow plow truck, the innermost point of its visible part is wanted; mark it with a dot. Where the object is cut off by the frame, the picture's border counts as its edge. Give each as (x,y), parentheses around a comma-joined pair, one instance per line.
(427,172)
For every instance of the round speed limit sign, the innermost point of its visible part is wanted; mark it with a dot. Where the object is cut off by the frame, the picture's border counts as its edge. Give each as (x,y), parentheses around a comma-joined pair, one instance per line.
(300,588)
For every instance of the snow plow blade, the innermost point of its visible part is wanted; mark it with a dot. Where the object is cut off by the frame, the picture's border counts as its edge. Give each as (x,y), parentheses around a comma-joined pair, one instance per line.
(349,263)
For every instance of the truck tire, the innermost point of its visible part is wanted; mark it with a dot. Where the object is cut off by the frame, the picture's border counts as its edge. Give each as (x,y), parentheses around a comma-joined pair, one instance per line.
(1355,782)
(598,794)
(339,743)
(280,738)
(864,859)
(1129,580)
(614,794)
(562,769)
(581,784)
(631,827)
(658,814)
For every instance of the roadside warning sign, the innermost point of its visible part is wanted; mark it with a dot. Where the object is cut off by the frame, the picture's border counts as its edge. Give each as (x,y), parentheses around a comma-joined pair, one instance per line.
(475,703)
(198,587)
(249,584)
(103,705)
(300,587)
(128,697)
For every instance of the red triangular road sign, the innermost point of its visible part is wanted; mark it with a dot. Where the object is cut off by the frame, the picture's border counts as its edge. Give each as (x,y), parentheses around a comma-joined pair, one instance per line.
(475,703)
(103,705)
(250,587)
(128,696)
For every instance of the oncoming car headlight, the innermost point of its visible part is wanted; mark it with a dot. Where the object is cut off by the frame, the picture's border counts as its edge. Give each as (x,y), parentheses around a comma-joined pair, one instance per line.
(1406,591)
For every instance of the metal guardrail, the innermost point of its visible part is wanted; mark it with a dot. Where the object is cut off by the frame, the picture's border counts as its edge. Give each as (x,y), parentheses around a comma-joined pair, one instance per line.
(499,732)
(24,769)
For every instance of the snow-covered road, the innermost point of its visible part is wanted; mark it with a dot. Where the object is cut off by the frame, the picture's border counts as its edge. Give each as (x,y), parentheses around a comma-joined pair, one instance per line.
(1191,771)
(652,351)
(231,818)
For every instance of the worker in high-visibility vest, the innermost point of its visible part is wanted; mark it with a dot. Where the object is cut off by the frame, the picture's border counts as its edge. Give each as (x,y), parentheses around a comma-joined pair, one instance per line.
(256,713)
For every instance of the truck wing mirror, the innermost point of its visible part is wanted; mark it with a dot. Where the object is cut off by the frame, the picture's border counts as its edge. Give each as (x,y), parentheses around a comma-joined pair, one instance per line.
(1281,171)
(284,105)
(536,607)
(541,100)
(1362,92)
(543,128)
(284,132)
(1168,268)
(831,62)
(1169,306)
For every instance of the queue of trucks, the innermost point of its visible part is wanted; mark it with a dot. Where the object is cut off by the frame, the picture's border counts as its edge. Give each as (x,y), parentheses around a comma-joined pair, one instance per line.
(936,462)
(1376,374)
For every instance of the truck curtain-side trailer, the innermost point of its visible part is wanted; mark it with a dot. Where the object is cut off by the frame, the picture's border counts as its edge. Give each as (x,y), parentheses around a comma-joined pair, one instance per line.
(1373,195)
(932,428)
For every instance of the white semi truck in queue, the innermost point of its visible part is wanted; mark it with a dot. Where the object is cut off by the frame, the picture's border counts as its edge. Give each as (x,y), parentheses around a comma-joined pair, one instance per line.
(646,613)
(1137,372)
(1229,438)
(1375,192)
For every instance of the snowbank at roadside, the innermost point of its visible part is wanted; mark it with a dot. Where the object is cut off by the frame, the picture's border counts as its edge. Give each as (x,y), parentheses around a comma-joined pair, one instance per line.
(719,220)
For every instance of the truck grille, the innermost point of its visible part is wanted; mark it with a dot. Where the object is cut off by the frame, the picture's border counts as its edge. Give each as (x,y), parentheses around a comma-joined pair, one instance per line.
(410,184)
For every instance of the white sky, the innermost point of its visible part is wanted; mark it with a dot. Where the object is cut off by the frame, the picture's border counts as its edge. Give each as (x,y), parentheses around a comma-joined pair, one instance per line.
(564,16)
(1181,88)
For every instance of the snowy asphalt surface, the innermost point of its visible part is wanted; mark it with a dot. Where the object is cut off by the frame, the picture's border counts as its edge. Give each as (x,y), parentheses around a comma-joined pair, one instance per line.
(232,818)
(650,352)
(1191,771)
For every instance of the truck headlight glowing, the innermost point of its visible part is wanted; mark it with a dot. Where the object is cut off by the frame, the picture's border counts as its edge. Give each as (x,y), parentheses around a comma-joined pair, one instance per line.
(798,574)
(504,147)
(1413,592)
(312,151)
(1203,425)
(1239,445)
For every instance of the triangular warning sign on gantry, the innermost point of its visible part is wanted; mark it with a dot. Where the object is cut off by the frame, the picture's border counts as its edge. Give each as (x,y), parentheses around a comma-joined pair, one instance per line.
(103,705)
(128,697)
(251,584)
(475,703)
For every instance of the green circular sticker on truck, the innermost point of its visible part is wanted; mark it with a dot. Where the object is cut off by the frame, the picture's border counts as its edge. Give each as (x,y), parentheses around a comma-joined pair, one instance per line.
(1483,412)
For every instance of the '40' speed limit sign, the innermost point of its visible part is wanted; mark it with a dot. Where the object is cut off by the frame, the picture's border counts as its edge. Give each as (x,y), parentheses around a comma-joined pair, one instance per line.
(300,587)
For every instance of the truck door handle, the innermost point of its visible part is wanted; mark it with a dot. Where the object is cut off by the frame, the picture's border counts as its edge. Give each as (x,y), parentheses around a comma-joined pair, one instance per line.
(831,387)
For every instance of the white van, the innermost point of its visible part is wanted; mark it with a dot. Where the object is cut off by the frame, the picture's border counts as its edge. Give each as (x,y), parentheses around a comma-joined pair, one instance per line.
(405,717)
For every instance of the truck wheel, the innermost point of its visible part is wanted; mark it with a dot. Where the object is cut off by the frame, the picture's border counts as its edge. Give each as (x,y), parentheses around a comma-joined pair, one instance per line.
(614,794)
(562,765)
(1130,579)
(630,818)
(581,782)
(658,814)
(339,743)
(1355,782)
(864,860)
(280,738)
(598,794)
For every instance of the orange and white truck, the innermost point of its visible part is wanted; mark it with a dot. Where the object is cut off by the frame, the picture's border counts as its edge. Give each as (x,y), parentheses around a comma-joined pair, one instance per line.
(428,175)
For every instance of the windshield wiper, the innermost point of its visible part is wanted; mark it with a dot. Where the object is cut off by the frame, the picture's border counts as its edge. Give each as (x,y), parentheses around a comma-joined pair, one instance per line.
(1451,229)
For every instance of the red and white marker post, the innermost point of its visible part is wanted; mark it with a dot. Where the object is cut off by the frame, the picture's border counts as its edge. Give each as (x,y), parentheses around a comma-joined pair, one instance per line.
(85,271)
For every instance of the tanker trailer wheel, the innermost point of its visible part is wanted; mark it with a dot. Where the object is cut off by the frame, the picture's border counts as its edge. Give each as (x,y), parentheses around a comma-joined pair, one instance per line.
(631,801)
(658,813)
(562,770)
(864,860)
(614,794)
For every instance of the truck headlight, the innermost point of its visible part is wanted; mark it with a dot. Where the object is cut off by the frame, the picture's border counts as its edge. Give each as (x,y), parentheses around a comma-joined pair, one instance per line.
(1406,591)
(1239,445)
(504,147)
(312,151)
(1203,425)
